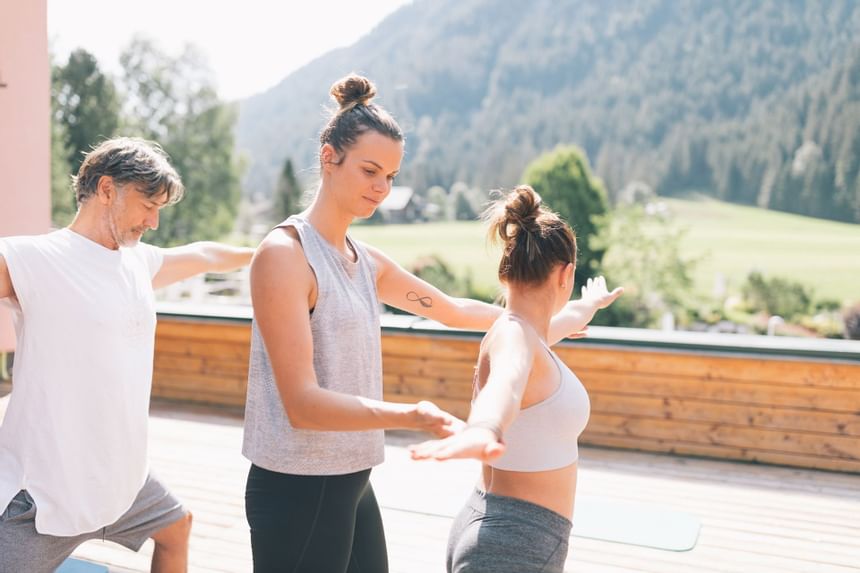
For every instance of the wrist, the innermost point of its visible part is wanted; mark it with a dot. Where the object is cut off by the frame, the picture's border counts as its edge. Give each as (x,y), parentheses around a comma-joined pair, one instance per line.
(403,416)
(494,427)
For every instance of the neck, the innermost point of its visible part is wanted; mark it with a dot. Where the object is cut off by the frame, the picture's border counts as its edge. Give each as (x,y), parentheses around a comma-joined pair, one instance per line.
(329,219)
(93,224)
(533,305)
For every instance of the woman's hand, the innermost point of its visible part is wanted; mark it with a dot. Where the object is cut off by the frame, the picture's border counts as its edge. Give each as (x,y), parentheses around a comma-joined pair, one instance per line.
(572,320)
(597,294)
(472,442)
(428,417)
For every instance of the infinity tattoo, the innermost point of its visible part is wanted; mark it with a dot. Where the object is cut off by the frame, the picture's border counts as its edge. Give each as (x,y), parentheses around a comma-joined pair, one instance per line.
(424,301)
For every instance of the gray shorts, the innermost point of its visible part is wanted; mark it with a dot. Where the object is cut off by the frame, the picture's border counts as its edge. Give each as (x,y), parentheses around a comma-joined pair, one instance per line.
(498,534)
(22,548)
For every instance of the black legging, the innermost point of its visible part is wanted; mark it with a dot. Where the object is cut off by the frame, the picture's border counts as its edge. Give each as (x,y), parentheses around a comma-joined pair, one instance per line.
(314,524)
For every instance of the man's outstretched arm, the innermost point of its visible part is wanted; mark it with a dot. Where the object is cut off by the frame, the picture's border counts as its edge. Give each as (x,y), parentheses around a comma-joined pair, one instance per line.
(202,257)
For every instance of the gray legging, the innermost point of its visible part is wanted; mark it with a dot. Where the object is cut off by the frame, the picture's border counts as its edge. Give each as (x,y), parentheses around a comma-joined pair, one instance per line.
(497,534)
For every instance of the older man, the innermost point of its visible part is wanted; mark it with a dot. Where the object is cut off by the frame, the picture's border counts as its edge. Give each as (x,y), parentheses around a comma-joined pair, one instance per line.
(73,444)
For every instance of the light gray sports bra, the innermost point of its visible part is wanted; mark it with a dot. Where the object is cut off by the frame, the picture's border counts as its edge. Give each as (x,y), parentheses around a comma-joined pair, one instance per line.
(543,436)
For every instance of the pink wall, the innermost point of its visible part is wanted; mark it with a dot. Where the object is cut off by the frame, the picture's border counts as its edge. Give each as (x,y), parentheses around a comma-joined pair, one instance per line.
(25,131)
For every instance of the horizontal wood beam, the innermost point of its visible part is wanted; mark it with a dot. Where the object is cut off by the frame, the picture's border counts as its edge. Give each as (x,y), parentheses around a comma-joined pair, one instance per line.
(766,407)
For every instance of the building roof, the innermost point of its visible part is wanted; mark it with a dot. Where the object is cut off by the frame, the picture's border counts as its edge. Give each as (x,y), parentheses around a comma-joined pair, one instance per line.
(398,199)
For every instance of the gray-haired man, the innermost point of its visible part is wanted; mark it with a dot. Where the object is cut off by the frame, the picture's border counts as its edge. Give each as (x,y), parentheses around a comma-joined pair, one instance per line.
(73,444)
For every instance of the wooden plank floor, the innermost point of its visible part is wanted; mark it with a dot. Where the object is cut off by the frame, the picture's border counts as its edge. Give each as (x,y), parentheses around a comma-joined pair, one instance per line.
(754,518)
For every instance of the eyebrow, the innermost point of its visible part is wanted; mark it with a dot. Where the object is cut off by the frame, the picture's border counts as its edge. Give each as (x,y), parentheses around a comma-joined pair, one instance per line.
(378,166)
(162,203)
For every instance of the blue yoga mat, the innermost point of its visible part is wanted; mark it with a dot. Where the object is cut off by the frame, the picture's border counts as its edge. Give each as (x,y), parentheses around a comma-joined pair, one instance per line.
(77,566)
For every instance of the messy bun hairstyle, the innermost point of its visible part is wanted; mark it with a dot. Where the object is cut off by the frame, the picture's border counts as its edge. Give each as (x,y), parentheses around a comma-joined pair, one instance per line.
(535,239)
(356,115)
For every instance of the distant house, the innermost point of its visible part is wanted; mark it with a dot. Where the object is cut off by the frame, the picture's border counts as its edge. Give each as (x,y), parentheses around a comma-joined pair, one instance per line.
(402,205)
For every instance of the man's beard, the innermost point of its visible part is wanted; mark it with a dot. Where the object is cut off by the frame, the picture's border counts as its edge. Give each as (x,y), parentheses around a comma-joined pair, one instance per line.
(129,238)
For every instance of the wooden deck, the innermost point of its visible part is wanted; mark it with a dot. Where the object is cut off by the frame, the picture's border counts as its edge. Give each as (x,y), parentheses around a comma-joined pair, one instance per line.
(755,518)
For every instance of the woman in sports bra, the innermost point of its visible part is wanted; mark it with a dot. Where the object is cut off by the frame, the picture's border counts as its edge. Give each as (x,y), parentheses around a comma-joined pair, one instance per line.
(315,414)
(528,408)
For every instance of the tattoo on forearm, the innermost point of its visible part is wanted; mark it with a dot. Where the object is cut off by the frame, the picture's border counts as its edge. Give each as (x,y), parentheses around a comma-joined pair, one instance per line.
(424,301)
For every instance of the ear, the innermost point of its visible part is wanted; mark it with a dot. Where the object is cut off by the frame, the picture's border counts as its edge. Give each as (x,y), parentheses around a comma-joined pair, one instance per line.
(566,274)
(328,157)
(106,190)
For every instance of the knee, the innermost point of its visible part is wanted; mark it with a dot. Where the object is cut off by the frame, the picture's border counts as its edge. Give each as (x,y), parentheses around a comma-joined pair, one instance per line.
(176,534)
(183,527)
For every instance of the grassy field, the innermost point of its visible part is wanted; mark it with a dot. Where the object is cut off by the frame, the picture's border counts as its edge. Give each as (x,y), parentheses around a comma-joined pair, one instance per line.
(461,244)
(731,240)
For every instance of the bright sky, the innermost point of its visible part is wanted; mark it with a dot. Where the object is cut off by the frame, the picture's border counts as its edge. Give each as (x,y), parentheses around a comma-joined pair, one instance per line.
(251,44)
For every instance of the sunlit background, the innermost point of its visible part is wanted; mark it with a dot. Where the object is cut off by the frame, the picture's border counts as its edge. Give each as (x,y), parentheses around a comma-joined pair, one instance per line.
(707,154)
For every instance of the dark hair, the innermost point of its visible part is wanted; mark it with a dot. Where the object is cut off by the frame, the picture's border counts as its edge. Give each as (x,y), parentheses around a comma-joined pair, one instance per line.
(535,239)
(356,115)
(129,160)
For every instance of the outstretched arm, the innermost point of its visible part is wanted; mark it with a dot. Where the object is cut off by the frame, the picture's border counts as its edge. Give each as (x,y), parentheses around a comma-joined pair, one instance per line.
(6,289)
(401,289)
(511,356)
(575,316)
(188,260)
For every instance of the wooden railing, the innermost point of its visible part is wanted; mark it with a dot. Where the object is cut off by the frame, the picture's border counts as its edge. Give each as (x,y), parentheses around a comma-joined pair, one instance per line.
(782,401)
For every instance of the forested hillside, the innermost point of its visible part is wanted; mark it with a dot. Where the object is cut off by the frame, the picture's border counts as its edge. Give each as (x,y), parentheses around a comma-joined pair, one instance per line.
(753,101)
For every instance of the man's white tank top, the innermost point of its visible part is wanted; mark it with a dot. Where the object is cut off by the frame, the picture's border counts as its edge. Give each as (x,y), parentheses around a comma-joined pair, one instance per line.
(75,431)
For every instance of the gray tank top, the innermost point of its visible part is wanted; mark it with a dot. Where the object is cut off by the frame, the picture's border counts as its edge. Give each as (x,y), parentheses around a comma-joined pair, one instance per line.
(347,358)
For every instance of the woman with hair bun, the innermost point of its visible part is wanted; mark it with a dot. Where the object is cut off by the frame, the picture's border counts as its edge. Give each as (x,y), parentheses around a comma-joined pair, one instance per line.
(528,408)
(314,416)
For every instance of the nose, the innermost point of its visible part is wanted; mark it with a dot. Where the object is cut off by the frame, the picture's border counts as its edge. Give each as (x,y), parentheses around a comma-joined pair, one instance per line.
(382,185)
(152,221)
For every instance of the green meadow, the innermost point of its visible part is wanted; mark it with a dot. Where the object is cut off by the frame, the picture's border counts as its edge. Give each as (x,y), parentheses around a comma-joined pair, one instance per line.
(728,240)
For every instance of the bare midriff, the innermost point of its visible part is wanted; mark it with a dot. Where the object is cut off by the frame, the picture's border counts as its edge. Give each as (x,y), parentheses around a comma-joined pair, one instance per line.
(552,489)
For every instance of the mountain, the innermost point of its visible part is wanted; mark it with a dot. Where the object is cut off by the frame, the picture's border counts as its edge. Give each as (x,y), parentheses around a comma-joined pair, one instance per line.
(754,102)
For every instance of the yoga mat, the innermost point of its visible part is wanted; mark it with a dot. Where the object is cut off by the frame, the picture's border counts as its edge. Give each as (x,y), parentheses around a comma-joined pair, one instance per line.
(635,524)
(71,565)
(595,517)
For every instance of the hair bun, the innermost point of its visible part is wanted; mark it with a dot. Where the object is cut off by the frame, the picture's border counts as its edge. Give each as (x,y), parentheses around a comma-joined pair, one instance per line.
(522,208)
(352,90)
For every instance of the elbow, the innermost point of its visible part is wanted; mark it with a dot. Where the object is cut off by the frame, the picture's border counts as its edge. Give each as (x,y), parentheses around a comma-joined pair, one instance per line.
(298,418)
(462,314)
(301,416)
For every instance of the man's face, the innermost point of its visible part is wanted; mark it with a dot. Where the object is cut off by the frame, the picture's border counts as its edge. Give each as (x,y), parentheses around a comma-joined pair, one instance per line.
(133,213)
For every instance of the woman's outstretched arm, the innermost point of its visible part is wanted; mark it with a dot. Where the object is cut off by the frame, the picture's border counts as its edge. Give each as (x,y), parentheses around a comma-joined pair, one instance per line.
(401,289)
(511,356)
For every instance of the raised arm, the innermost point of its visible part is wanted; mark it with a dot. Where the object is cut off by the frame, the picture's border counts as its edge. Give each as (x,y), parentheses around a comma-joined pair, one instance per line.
(283,289)
(511,355)
(576,314)
(194,258)
(6,289)
(403,290)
